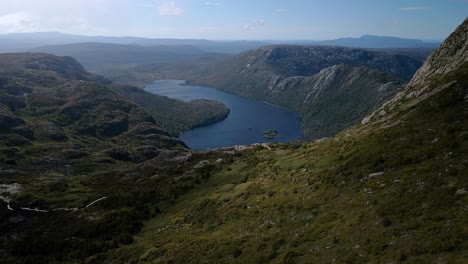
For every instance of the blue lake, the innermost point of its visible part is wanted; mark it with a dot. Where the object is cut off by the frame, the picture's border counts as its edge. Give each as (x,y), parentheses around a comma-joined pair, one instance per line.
(245,123)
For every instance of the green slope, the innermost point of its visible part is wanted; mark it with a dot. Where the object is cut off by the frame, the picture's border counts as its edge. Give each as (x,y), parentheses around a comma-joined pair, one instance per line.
(391,190)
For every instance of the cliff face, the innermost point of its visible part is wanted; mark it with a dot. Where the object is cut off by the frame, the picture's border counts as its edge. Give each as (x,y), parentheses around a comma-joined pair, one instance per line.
(445,68)
(339,96)
(451,55)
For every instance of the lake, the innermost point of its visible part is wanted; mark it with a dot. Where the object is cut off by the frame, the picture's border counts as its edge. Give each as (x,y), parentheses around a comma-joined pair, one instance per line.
(245,124)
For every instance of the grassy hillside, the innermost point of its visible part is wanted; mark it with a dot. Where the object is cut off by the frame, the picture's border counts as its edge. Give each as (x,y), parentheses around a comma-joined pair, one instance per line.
(392,194)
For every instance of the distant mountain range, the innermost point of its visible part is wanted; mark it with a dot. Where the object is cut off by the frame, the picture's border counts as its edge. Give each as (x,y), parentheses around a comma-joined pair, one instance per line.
(20,42)
(379,42)
(100,56)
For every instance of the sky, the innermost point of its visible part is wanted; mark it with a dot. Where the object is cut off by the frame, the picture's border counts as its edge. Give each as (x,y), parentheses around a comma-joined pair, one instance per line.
(236,19)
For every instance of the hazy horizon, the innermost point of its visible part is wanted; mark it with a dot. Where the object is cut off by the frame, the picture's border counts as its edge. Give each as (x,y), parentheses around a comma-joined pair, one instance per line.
(431,20)
(220,40)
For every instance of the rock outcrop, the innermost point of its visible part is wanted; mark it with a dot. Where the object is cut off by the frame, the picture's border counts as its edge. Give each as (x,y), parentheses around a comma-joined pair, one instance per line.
(450,57)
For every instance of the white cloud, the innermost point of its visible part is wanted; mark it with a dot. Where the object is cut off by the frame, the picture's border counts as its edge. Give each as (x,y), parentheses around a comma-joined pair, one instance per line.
(169,8)
(213,3)
(76,17)
(416,8)
(16,22)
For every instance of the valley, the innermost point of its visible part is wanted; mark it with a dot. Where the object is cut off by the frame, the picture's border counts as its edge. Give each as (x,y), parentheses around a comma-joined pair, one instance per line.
(268,152)
(329,92)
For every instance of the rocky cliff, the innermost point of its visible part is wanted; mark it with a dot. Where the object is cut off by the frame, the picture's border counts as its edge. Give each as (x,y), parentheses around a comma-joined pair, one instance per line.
(449,61)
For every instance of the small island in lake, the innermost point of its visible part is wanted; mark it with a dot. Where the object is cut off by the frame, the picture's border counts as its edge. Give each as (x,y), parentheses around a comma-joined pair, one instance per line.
(270,134)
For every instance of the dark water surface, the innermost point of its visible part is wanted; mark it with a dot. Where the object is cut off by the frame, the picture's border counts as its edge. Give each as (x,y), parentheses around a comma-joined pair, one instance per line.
(245,123)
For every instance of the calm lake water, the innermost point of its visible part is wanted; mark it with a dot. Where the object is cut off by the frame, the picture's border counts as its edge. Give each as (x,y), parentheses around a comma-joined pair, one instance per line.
(245,123)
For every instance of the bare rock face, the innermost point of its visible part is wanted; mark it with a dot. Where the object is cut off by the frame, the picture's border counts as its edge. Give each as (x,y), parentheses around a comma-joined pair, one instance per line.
(452,55)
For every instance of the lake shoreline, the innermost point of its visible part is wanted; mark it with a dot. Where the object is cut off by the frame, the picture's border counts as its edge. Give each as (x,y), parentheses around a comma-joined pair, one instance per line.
(245,123)
(194,83)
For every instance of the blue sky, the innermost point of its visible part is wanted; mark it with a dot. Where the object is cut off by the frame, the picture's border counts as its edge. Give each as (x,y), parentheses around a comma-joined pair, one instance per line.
(236,19)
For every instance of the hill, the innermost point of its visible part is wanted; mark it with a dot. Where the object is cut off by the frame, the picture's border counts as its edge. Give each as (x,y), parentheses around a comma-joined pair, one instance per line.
(56,104)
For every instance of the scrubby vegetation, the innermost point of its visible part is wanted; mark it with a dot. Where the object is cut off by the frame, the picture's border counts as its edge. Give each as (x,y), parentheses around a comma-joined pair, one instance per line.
(173,115)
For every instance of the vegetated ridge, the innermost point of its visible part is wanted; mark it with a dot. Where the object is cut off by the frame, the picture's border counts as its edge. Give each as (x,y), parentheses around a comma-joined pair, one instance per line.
(174,115)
